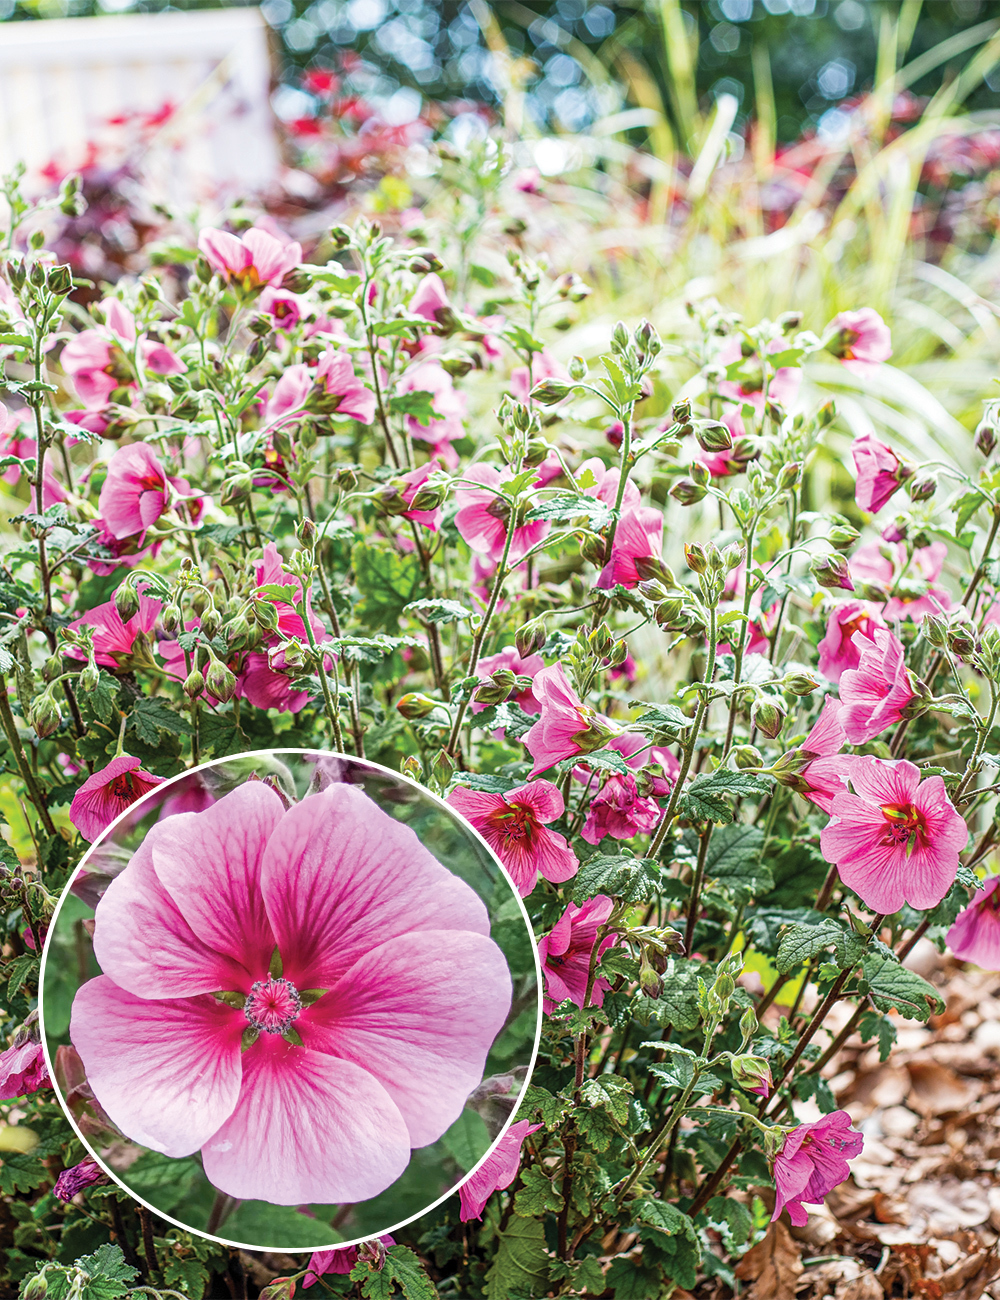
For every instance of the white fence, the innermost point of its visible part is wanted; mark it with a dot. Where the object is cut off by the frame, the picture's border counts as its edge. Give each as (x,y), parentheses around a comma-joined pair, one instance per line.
(192,87)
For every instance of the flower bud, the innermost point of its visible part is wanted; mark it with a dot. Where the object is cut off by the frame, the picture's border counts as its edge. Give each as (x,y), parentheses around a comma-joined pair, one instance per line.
(647,340)
(126,602)
(45,716)
(747,756)
(748,1024)
(497,688)
(767,716)
(236,488)
(60,280)
(732,556)
(687,492)
(347,478)
(650,981)
(713,437)
(550,391)
(789,321)
(752,1073)
(415,705)
(456,364)
(194,684)
(171,620)
(800,683)
(90,678)
(239,632)
(962,640)
(530,637)
(577,368)
(51,668)
(221,682)
(282,1288)
(536,451)
(697,559)
(670,614)
(922,488)
(986,437)
(341,237)
(842,535)
(790,476)
(35,1288)
(619,337)
(680,412)
(264,614)
(831,571)
(724,988)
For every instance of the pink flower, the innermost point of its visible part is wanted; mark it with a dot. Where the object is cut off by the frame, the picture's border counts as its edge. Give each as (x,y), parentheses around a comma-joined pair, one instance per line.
(510,658)
(15,440)
(23,1068)
(285,308)
(880,472)
(109,792)
(639,536)
(497,1171)
(565,721)
(484,516)
(896,839)
(136,491)
(341,1259)
(115,641)
(812,1162)
(514,826)
(383,1061)
(430,298)
(566,951)
(414,480)
(619,811)
(975,935)
(255,259)
(289,395)
(875,694)
(446,425)
(860,339)
(100,360)
(335,378)
(840,648)
(823,777)
(72,1181)
(605,485)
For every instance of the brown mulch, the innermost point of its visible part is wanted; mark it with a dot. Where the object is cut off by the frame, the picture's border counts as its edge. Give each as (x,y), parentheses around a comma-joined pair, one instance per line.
(920,1215)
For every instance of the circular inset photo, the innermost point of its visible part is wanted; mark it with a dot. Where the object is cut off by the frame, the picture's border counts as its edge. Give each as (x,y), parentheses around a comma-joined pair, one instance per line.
(290,1000)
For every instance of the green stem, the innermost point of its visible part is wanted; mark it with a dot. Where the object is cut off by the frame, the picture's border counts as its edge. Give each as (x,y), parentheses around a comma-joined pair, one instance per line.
(14,740)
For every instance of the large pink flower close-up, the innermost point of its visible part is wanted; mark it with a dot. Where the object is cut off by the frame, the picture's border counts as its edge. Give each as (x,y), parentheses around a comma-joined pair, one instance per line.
(514,826)
(895,838)
(136,491)
(840,649)
(251,260)
(363,994)
(812,1162)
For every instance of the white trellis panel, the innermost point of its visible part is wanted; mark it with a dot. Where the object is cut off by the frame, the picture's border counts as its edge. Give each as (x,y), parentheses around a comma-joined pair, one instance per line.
(62,80)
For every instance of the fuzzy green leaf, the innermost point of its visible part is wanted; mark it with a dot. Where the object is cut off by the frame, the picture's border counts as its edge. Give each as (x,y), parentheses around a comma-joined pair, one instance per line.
(521,1263)
(890,985)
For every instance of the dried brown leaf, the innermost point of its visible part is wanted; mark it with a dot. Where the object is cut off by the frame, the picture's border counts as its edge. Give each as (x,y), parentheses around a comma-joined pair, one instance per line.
(773,1266)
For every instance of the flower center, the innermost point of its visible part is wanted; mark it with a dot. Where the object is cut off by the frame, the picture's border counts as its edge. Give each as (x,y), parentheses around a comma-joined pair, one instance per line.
(904,825)
(121,788)
(273,1005)
(515,824)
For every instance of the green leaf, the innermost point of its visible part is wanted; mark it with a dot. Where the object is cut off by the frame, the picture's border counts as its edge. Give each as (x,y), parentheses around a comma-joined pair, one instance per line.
(565,506)
(663,1218)
(189,1276)
(418,404)
(103,699)
(872,1025)
(468,1139)
(150,717)
(596,1127)
(677,1005)
(629,879)
(537,1196)
(519,337)
(736,1217)
(438,611)
(609,1091)
(662,720)
(891,985)
(108,1261)
(704,799)
(21,969)
(800,943)
(262,1224)
(551,1108)
(486,781)
(521,1263)
(633,1281)
(601,760)
(966,506)
(283,592)
(734,859)
(402,1272)
(388,582)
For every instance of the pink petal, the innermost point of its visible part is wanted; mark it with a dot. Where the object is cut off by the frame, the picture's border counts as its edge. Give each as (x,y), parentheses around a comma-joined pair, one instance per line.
(420,1014)
(307,1128)
(341,877)
(167,1072)
(210,863)
(143,942)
